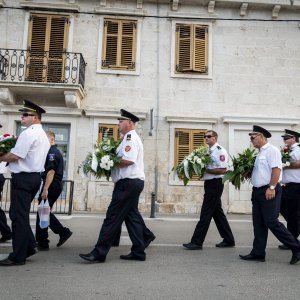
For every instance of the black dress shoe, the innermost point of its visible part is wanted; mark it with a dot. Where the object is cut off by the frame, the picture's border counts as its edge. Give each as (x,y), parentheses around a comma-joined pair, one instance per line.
(131,256)
(32,252)
(295,258)
(252,257)
(4,239)
(225,244)
(192,246)
(41,248)
(283,247)
(149,240)
(92,258)
(7,263)
(64,238)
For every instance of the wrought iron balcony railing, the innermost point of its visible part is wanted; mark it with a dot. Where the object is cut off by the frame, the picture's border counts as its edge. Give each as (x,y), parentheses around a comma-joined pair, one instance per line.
(42,66)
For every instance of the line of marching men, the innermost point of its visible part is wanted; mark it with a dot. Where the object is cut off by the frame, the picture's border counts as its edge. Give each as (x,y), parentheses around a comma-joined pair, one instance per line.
(36,157)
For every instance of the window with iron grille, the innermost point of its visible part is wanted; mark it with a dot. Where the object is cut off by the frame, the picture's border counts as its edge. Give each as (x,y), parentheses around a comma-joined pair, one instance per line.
(111,130)
(47,46)
(187,140)
(119,44)
(191,48)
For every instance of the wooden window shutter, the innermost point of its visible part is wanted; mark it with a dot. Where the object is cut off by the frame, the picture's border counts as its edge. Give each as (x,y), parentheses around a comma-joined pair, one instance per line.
(183,47)
(200,49)
(112,131)
(47,42)
(110,43)
(128,47)
(119,44)
(36,44)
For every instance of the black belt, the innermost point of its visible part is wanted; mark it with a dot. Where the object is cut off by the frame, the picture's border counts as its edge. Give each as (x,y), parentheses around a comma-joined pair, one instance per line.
(26,173)
(261,187)
(291,183)
(220,178)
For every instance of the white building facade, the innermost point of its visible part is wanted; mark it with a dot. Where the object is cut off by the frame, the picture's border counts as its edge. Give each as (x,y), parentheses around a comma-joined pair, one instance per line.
(183,67)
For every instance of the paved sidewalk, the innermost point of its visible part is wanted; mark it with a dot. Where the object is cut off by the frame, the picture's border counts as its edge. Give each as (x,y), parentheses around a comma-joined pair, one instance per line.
(170,272)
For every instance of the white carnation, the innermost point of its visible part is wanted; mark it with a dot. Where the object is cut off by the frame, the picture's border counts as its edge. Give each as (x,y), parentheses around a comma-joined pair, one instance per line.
(105,159)
(287,163)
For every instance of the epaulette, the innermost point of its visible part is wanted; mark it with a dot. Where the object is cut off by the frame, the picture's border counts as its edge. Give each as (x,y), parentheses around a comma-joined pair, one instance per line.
(219,147)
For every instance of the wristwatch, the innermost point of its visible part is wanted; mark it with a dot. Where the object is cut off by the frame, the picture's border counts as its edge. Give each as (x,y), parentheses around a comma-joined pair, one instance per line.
(272,187)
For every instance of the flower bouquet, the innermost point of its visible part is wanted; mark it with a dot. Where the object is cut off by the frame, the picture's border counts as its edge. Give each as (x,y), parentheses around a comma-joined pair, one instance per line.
(285,156)
(193,164)
(102,160)
(7,142)
(242,166)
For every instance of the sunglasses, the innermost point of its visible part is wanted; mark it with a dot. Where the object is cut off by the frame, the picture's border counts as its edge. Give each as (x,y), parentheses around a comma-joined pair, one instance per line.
(252,137)
(208,136)
(285,138)
(27,115)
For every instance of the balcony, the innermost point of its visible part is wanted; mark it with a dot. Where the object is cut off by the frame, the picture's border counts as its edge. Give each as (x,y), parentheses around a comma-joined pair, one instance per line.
(52,76)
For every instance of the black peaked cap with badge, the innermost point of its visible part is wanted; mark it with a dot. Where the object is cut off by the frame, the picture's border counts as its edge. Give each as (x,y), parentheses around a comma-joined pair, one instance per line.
(126,115)
(29,106)
(263,131)
(291,133)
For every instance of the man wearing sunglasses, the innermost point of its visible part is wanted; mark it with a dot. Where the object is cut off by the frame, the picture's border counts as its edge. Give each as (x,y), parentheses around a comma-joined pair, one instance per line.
(290,199)
(266,196)
(26,162)
(212,205)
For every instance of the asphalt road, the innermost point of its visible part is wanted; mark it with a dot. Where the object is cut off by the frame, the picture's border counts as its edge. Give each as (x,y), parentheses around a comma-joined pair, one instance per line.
(170,272)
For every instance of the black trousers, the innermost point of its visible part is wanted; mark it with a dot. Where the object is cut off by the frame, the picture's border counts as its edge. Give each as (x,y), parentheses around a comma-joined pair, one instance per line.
(4,228)
(147,233)
(41,235)
(265,216)
(123,207)
(290,207)
(24,187)
(212,208)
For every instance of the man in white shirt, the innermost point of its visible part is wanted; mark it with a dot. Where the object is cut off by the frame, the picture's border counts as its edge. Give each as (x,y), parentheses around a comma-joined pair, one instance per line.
(212,204)
(4,228)
(26,162)
(266,195)
(290,199)
(129,183)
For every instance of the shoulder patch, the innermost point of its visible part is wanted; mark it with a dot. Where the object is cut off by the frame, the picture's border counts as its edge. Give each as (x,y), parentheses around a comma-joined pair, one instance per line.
(51,156)
(219,147)
(222,157)
(127,148)
(128,137)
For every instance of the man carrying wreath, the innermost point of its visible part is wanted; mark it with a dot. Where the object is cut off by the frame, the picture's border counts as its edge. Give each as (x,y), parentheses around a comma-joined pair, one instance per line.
(129,183)
(212,205)
(290,199)
(266,195)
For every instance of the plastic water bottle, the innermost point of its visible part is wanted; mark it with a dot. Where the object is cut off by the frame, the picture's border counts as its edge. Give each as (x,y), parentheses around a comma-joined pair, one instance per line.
(44,212)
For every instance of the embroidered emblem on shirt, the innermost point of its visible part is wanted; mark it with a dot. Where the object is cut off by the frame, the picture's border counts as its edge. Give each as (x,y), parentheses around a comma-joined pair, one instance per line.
(128,138)
(51,157)
(127,148)
(222,157)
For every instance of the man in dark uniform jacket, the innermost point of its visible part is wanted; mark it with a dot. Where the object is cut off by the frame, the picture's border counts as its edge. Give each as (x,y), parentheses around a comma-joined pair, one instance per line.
(266,195)
(4,228)
(52,188)
(129,183)
(26,162)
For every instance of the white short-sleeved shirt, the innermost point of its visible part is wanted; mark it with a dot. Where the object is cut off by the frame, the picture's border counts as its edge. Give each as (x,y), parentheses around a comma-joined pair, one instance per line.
(131,148)
(3,168)
(32,147)
(292,175)
(219,161)
(268,157)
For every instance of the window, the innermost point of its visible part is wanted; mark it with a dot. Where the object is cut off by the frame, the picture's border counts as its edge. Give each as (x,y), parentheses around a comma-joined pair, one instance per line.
(119,44)
(187,140)
(191,48)
(111,130)
(47,44)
